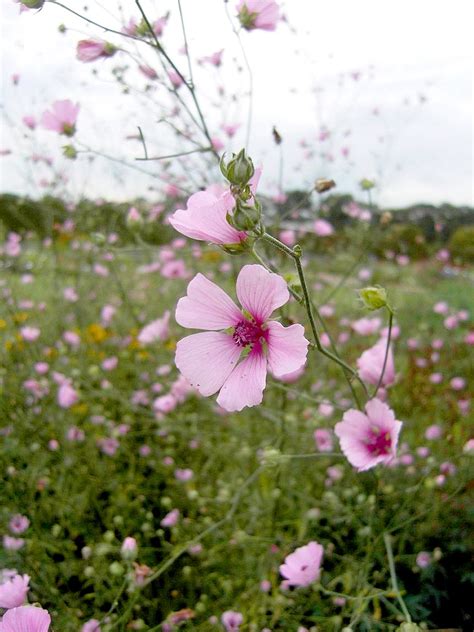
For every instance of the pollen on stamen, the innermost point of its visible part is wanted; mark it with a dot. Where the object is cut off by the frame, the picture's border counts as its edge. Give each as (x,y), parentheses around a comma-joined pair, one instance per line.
(246,333)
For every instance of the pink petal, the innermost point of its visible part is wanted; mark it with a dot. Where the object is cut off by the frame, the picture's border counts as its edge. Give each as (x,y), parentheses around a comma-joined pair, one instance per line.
(287,348)
(206,306)
(378,412)
(25,618)
(260,291)
(244,386)
(207,359)
(205,218)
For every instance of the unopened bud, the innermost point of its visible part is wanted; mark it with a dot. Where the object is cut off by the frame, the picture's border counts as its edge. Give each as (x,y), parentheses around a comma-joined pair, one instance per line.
(134,218)
(69,151)
(366,184)
(245,217)
(33,4)
(129,549)
(239,169)
(386,218)
(373,297)
(408,627)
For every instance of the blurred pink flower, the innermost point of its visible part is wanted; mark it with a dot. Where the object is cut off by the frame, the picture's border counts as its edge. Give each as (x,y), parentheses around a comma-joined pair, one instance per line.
(303,566)
(230,128)
(18,524)
(209,360)
(232,620)
(323,228)
(371,438)
(423,559)
(323,439)
(30,334)
(258,14)
(433,432)
(159,25)
(25,619)
(91,50)
(156,330)
(29,121)
(366,326)
(67,396)
(175,78)
(171,518)
(129,548)
(61,118)
(13,544)
(91,626)
(13,591)
(148,71)
(370,364)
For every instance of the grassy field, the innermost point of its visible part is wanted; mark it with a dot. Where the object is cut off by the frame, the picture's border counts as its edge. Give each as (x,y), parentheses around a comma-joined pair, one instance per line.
(216,500)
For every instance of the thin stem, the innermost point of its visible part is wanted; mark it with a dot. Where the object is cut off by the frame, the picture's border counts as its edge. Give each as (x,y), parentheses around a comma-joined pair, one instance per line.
(188,85)
(201,150)
(295,254)
(387,350)
(393,577)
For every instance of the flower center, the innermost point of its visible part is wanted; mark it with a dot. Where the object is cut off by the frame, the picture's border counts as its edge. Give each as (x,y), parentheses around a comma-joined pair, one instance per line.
(246,333)
(379,441)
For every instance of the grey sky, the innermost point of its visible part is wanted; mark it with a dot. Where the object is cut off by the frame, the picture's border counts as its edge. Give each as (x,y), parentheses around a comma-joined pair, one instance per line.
(416,68)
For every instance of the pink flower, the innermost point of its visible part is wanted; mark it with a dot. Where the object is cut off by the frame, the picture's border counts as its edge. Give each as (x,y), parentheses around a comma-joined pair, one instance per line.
(323,439)
(67,396)
(230,128)
(209,360)
(30,334)
(12,544)
(303,566)
(61,118)
(90,50)
(13,591)
(175,78)
(232,620)
(91,626)
(322,228)
(159,24)
(129,548)
(171,518)
(366,326)
(18,524)
(423,559)
(215,59)
(156,330)
(148,71)
(370,364)
(371,438)
(433,432)
(25,619)
(29,121)
(258,14)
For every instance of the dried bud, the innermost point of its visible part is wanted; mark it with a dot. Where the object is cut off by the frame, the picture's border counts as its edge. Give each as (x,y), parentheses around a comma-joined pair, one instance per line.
(386,218)
(373,297)
(323,184)
(239,169)
(276,136)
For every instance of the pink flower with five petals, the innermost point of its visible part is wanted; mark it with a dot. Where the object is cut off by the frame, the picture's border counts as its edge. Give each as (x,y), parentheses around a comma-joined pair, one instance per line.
(211,360)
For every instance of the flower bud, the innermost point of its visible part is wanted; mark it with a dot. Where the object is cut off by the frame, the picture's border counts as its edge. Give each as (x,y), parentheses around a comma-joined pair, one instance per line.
(366,184)
(69,151)
(245,217)
(129,549)
(116,569)
(33,4)
(373,297)
(409,627)
(239,169)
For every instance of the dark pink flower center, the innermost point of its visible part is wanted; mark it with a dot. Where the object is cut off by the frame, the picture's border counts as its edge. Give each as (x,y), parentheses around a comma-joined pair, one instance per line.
(246,333)
(379,441)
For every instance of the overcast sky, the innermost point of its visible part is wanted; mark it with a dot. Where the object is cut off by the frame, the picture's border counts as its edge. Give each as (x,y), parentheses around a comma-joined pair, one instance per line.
(406,119)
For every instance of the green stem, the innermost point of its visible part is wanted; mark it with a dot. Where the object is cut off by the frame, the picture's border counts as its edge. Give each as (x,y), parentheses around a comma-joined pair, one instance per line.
(393,577)
(387,349)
